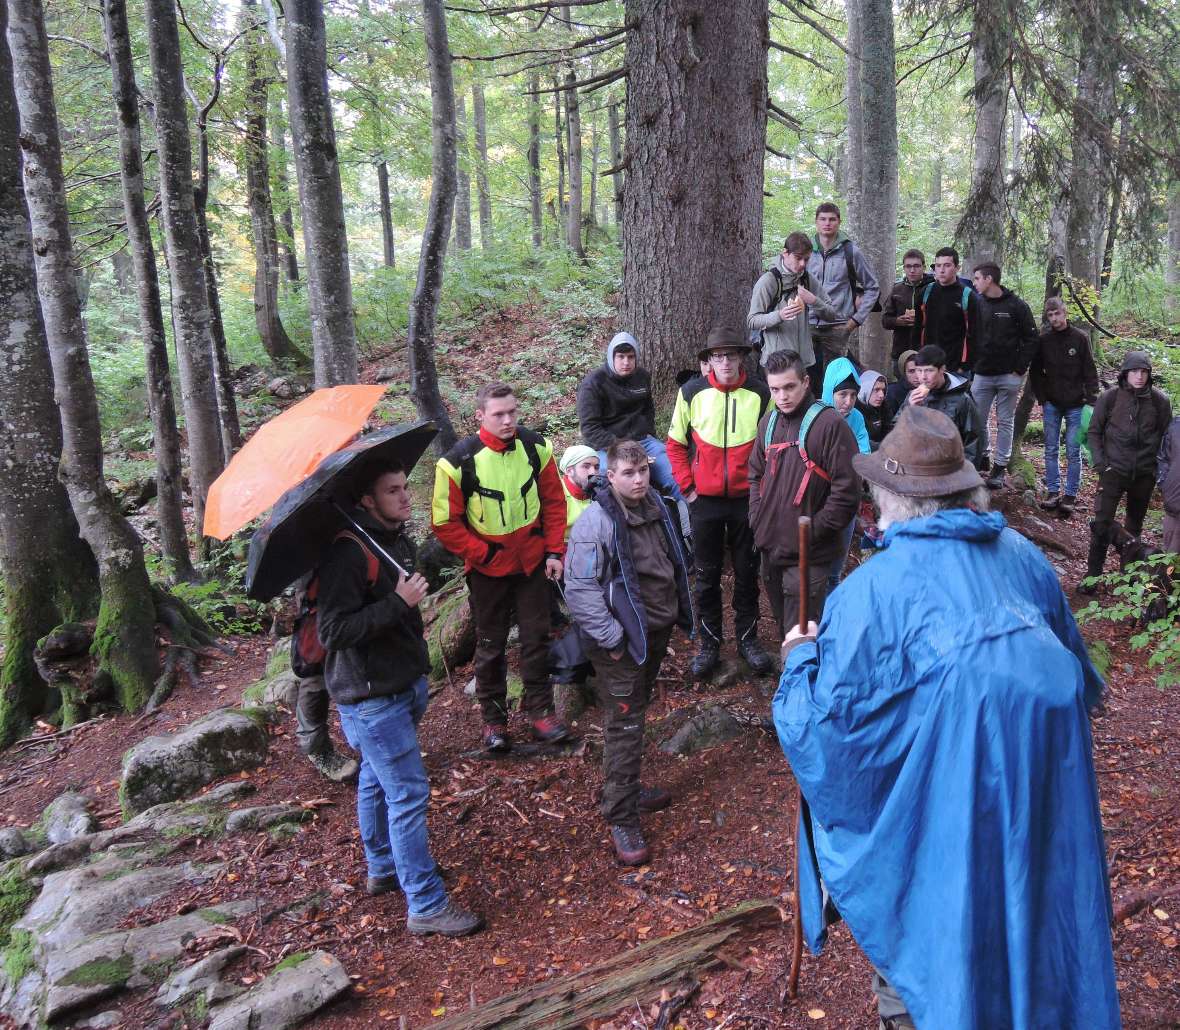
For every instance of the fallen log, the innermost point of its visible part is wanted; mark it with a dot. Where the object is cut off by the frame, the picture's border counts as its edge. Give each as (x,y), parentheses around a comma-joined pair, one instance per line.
(638,975)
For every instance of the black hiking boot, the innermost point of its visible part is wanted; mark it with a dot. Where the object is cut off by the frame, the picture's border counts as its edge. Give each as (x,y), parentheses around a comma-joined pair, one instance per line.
(653,799)
(1050,503)
(755,656)
(549,729)
(1067,505)
(630,845)
(377,885)
(705,660)
(995,481)
(333,765)
(495,738)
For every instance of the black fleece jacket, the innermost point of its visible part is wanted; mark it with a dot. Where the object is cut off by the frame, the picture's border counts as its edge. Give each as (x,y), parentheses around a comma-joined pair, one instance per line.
(1007,335)
(373,638)
(611,408)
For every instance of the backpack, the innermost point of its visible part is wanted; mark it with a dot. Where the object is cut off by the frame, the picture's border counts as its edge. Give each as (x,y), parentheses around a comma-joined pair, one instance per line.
(804,281)
(469,483)
(964,301)
(307,653)
(852,283)
(773,450)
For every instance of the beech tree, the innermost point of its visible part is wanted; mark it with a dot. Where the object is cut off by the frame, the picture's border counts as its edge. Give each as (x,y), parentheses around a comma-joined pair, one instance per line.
(463,177)
(692,214)
(190,298)
(321,202)
(535,204)
(161,405)
(124,637)
(479,112)
(424,305)
(289,259)
(984,222)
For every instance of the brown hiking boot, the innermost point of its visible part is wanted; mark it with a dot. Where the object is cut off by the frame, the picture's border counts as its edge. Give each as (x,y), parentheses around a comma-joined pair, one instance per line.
(653,799)
(630,845)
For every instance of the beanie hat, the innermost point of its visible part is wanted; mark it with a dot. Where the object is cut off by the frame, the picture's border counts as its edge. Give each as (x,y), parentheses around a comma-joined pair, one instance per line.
(572,455)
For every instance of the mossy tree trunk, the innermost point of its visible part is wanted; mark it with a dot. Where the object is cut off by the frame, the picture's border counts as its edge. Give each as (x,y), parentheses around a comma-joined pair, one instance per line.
(125,640)
(49,572)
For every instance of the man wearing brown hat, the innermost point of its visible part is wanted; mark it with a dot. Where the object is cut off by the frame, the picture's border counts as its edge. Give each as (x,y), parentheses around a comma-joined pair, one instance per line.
(709,443)
(936,723)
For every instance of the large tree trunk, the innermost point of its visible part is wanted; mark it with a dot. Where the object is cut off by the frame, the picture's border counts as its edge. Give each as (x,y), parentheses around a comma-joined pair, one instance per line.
(256,146)
(166,438)
(125,636)
(388,246)
(573,135)
(190,299)
(616,159)
(934,197)
(1116,207)
(227,405)
(982,226)
(49,573)
(535,159)
(1089,188)
(424,305)
(854,147)
(463,173)
(290,260)
(321,202)
(1172,257)
(558,133)
(692,214)
(479,112)
(878,225)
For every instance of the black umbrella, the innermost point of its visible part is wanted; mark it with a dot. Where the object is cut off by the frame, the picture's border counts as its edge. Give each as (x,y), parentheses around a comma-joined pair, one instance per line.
(306,519)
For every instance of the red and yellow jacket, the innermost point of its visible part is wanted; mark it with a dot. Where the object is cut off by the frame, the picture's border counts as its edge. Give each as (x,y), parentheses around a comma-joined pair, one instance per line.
(576,502)
(712,433)
(499,504)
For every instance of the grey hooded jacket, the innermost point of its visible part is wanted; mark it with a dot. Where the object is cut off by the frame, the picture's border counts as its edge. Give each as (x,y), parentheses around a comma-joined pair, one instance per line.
(830,270)
(771,292)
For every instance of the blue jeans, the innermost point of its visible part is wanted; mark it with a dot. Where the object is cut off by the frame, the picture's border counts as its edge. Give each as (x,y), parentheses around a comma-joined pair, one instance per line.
(392,792)
(838,564)
(661,467)
(1052,416)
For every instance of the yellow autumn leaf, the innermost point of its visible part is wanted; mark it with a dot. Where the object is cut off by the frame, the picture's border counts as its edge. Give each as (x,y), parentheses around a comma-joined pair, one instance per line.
(816,1013)
(499,960)
(440,1011)
(1160,914)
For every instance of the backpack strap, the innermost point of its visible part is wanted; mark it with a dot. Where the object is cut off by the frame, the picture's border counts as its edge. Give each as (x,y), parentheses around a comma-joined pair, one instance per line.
(769,434)
(851,266)
(965,302)
(372,566)
(773,450)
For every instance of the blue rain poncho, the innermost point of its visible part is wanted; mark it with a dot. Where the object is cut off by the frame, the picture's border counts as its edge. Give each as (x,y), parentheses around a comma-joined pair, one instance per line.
(938,729)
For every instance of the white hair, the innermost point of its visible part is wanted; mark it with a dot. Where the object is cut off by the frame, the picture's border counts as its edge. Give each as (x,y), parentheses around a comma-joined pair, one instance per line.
(893,507)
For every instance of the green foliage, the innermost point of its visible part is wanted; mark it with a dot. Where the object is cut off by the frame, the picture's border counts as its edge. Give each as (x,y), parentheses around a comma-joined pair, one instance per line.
(105,971)
(291,961)
(1147,593)
(227,611)
(18,956)
(16,895)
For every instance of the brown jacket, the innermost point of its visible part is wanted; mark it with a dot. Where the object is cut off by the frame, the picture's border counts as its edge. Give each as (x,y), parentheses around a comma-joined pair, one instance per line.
(775,482)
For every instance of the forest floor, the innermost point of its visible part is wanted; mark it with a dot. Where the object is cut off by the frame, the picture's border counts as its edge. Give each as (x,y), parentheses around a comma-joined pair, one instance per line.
(520,839)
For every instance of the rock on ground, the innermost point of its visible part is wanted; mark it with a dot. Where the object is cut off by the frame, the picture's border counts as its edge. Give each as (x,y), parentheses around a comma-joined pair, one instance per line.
(198,978)
(67,817)
(175,766)
(287,997)
(704,729)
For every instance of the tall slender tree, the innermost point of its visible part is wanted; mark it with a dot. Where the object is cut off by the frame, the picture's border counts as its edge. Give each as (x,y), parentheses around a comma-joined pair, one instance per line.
(479,112)
(573,130)
(49,572)
(424,305)
(1172,253)
(321,202)
(463,176)
(535,210)
(616,161)
(983,222)
(190,298)
(124,638)
(388,248)
(853,104)
(282,184)
(692,215)
(165,437)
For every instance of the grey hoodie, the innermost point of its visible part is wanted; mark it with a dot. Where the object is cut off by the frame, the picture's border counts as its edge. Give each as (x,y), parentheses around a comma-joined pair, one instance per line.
(830,270)
(766,302)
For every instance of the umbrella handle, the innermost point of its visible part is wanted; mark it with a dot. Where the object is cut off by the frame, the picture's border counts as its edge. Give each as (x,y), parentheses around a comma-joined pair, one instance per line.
(369,540)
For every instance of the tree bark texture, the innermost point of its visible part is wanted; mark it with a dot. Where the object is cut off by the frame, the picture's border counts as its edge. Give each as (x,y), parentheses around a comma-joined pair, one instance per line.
(878,202)
(573,127)
(389,248)
(1115,206)
(190,299)
(535,159)
(49,572)
(264,234)
(558,133)
(289,259)
(463,174)
(227,405)
(479,112)
(321,202)
(595,151)
(692,214)
(854,147)
(424,304)
(982,226)
(1172,257)
(1089,186)
(616,159)
(125,637)
(934,198)
(169,482)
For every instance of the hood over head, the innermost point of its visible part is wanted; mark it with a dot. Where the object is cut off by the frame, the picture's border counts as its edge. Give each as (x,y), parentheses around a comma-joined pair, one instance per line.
(835,374)
(623,339)
(1135,359)
(902,358)
(868,379)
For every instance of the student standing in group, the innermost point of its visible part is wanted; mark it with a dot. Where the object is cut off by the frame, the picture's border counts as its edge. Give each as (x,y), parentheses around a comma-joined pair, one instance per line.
(841,269)
(709,443)
(900,311)
(948,314)
(498,505)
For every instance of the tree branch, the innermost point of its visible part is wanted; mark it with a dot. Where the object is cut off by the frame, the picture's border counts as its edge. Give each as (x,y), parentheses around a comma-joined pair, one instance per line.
(780,115)
(595,81)
(544,5)
(802,56)
(815,25)
(777,153)
(102,55)
(931,60)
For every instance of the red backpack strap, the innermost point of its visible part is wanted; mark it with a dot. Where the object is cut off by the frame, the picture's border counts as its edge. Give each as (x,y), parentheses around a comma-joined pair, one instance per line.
(372,566)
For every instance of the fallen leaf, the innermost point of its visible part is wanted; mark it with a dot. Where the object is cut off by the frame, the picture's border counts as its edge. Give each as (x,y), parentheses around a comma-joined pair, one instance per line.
(1151,981)
(440,1011)
(499,960)
(1160,914)
(816,1013)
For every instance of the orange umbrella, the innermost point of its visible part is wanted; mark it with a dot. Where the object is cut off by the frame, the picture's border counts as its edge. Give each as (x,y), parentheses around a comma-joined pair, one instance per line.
(284,452)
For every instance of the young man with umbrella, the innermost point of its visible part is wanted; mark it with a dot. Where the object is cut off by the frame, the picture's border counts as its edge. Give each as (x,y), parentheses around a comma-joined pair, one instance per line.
(375,670)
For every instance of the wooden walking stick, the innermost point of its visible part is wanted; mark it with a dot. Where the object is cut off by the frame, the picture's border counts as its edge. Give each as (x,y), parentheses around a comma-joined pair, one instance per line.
(796,901)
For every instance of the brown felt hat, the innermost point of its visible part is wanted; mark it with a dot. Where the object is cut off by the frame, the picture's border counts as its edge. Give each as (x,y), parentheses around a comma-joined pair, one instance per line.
(723,338)
(921,457)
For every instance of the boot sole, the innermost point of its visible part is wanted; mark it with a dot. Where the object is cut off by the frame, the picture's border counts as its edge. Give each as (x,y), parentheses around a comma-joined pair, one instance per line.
(466,931)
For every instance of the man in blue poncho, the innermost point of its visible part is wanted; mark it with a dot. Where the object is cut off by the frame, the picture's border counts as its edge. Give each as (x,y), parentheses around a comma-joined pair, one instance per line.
(937,725)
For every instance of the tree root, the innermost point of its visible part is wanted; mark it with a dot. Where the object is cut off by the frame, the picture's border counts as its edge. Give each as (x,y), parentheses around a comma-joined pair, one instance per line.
(189,635)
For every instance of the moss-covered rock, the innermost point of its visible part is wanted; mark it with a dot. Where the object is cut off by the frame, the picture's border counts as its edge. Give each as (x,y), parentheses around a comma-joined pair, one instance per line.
(168,768)
(451,639)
